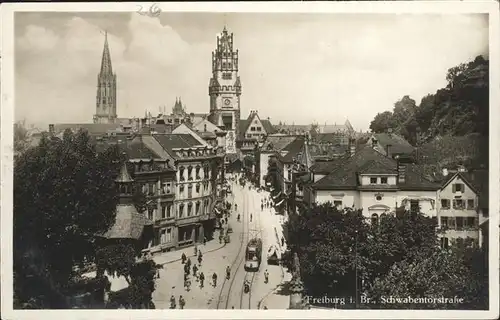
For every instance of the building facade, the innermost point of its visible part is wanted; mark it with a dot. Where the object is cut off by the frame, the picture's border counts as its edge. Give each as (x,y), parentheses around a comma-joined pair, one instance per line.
(225,89)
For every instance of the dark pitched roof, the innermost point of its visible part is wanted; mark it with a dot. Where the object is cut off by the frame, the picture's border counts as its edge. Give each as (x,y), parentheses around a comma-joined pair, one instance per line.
(134,148)
(344,172)
(398,145)
(173,141)
(293,149)
(124,176)
(480,180)
(463,176)
(277,142)
(268,126)
(91,128)
(129,224)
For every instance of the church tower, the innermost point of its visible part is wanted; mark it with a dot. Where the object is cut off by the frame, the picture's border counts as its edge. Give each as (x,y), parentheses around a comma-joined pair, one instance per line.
(225,89)
(106,89)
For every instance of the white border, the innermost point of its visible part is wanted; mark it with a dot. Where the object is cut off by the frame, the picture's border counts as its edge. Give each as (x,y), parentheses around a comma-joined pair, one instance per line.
(414,7)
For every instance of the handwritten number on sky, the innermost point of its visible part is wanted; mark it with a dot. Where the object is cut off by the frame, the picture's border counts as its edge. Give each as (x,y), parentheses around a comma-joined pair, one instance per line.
(153,11)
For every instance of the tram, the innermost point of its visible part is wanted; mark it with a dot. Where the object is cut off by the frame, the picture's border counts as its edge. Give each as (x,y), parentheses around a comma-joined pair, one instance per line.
(253,255)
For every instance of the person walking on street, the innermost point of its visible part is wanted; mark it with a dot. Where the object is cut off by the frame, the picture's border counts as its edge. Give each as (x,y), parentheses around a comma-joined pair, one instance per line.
(204,241)
(195,249)
(195,269)
(188,285)
(228,272)
(182,303)
(266,276)
(282,241)
(186,269)
(202,279)
(183,258)
(189,262)
(262,207)
(251,216)
(214,279)
(172,302)
(200,258)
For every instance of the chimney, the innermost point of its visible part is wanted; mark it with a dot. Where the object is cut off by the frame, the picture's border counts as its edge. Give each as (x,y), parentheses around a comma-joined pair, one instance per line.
(51,129)
(445,172)
(461,169)
(387,149)
(401,172)
(352,147)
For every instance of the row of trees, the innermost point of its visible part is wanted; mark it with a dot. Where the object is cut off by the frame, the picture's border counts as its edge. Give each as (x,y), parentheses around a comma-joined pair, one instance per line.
(341,254)
(64,195)
(461,108)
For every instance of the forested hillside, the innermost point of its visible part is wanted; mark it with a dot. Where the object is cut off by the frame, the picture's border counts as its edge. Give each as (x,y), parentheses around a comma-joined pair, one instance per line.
(450,125)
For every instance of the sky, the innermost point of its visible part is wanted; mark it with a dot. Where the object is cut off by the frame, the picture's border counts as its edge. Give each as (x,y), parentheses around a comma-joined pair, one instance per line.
(294,67)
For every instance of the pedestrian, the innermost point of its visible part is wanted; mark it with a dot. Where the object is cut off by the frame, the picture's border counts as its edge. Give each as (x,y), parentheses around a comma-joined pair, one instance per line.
(204,241)
(188,285)
(157,273)
(202,279)
(172,302)
(183,258)
(195,249)
(251,216)
(200,258)
(182,303)
(189,262)
(195,269)
(282,241)
(214,279)
(261,207)
(228,272)
(266,276)
(186,269)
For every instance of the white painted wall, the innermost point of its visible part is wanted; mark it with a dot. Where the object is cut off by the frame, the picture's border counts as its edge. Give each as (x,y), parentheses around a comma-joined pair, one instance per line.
(264,162)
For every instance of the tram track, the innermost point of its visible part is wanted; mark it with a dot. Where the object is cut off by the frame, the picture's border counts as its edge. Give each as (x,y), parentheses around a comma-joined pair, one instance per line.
(254,275)
(223,300)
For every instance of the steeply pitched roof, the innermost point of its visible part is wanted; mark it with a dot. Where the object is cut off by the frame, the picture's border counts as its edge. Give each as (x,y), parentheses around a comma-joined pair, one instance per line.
(480,180)
(173,141)
(124,176)
(277,142)
(345,170)
(129,224)
(268,126)
(377,167)
(292,149)
(134,148)
(398,145)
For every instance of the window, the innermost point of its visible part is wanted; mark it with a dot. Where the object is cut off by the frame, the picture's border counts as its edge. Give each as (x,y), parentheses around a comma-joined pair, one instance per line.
(458,204)
(181,190)
(190,191)
(198,173)
(470,204)
(163,212)
(258,128)
(169,235)
(290,175)
(459,222)
(190,209)
(374,219)
(451,222)
(383,180)
(471,222)
(151,189)
(378,197)
(165,187)
(373,180)
(445,204)
(163,236)
(249,136)
(227,76)
(151,212)
(190,173)
(104,100)
(198,205)
(169,211)
(197,188)
(181,174)
(414,206)
(444,243)
(181,210)
(252,128)
(337,204)
(458,187)
(444,222)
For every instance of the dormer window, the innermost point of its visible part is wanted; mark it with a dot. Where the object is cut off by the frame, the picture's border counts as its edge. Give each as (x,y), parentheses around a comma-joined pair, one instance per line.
(373,180)
(383,180)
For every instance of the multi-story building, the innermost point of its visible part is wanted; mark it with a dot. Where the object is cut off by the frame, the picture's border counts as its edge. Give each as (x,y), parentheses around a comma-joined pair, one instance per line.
(273,144)
(198,167)
(375,183)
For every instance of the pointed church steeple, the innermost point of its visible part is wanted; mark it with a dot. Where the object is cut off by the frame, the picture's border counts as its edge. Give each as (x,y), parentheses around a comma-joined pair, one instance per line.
(106,67)
(106,88)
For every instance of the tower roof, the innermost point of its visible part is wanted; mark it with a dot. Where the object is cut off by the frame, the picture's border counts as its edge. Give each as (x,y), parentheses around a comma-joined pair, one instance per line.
(124,176)
(106,67)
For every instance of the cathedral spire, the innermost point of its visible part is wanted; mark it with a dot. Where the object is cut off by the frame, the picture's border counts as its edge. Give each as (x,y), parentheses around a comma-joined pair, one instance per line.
(106,67)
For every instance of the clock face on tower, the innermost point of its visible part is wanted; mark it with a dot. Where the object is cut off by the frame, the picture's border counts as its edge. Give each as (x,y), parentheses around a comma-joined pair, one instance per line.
(227,102)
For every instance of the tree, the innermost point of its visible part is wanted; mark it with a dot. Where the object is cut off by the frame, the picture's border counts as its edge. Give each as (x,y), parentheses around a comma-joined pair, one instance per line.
(339,249)
(21,137)
(446,273)
(64,193)
(382,122)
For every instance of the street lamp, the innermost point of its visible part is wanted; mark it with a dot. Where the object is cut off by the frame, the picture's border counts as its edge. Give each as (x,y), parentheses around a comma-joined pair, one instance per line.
(356,264)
